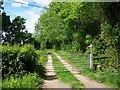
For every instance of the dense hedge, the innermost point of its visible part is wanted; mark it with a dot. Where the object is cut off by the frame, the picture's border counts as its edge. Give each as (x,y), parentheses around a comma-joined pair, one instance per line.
(19,61)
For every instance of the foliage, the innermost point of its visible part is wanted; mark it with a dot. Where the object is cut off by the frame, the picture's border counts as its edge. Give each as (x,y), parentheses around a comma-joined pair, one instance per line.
(14,32)
(73,26)
(110,34)
(27,81)
(69,26)
(42,56)
(69,23)
(20,60)
(9,61)
(28,56)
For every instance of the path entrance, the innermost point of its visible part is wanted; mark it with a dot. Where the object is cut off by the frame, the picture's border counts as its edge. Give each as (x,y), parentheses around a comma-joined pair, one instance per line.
(51,80)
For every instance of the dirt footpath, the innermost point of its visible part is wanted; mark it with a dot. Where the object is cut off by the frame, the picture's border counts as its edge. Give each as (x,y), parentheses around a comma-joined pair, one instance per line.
(86,81)
(51,80)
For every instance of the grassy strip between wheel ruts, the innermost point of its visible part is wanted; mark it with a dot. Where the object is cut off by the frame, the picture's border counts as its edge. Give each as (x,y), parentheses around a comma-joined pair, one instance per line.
(64,75)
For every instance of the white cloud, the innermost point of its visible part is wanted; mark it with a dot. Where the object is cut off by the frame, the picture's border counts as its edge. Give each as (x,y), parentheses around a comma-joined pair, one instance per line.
(42,2)
(30,23)
(30,16)
(16,5)
(19,4)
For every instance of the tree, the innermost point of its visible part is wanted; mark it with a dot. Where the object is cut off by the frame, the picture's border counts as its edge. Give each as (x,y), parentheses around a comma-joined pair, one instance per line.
(14,32)
(6,24)
(68,24)
(73,26)
(1,3)
(110,33)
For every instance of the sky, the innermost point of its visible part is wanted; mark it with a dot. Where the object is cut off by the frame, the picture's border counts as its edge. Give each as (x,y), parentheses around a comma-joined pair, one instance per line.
(31,14)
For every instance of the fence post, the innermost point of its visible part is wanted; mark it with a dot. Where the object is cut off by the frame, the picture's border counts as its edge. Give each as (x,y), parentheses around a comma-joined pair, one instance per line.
(91,56)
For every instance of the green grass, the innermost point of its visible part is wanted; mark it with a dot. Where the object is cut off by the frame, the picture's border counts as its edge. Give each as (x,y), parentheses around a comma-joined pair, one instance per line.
(65,76)
(27,81)
(81,62)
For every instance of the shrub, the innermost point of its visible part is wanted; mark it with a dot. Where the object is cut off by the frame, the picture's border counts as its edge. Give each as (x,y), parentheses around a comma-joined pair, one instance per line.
(42,59)
(28,56)
(9,61)
(20,60)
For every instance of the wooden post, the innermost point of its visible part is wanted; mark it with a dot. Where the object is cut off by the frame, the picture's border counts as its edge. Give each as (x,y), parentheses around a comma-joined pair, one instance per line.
(91,56)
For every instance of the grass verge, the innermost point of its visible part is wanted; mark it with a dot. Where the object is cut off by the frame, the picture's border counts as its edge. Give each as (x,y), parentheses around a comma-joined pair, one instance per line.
(26,81)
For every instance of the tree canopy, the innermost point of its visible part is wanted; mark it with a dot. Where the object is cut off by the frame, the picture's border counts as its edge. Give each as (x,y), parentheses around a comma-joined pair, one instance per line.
(73,26)
(14,32)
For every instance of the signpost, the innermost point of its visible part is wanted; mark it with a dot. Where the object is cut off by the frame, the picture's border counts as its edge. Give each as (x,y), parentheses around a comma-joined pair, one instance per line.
(91,56)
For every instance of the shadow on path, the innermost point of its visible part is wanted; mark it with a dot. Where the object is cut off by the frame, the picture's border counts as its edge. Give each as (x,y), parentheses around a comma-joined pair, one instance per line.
(51,82)
(51,77)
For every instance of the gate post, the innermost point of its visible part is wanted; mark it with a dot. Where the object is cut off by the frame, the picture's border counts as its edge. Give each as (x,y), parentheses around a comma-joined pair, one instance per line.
(91,56)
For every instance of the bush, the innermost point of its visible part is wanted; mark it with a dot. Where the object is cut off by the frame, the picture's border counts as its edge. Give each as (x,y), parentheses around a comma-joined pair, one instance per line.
(28,56)
(42,59)
(20,60)
(27,81)
(9,61)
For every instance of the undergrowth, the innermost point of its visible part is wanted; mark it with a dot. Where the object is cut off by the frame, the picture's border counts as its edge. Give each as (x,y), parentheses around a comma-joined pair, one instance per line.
(27,81)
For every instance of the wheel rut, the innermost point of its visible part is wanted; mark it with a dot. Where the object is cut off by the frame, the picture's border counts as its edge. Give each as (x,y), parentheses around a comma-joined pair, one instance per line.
(51,81)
